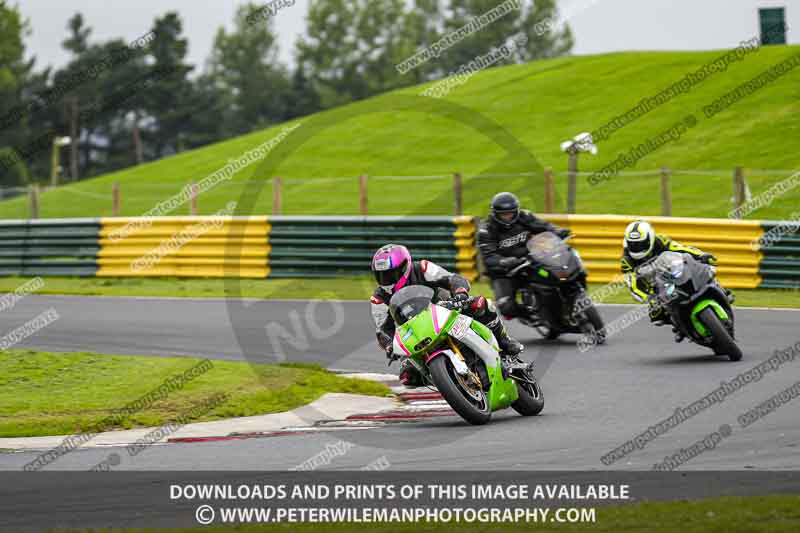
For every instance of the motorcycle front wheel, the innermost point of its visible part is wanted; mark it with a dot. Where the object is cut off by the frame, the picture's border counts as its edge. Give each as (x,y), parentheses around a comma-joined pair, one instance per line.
(531,399)
(470,403)
(548,332)
(598,328)
(723,343)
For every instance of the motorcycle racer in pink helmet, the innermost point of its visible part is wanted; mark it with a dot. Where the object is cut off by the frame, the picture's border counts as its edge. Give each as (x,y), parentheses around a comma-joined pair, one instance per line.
(394,268)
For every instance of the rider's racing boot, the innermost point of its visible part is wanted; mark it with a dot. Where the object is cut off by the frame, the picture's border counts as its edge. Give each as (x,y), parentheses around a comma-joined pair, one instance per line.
(678,335)
(410,376)
(510,349)
(509,346)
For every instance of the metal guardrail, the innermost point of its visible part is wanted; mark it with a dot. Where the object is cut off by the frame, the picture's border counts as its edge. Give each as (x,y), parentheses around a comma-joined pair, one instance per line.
(49,247)
(305,247)
(278,246)
(598,238)
(199,246)
(335,246)
(780,266)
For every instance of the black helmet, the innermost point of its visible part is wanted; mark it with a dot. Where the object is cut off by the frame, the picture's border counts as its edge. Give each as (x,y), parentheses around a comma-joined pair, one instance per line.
(505,203)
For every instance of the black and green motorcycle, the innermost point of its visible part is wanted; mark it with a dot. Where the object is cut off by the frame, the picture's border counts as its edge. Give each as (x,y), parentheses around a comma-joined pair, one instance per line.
(698,306)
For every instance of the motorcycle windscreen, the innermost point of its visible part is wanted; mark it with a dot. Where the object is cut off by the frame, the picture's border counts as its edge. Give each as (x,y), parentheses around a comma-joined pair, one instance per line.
(665,266)
(408,302)
(548,249)
(670,268)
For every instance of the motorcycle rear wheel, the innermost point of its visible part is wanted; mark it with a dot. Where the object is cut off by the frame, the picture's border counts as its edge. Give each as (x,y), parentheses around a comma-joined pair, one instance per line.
(443,374)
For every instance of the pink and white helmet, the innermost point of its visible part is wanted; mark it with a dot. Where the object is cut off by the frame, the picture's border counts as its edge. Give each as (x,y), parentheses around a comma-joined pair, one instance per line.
(392,266)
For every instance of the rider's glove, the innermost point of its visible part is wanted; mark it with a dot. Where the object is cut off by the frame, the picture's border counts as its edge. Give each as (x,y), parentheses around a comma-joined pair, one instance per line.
(655,309)
(654,305)
(708,259)
(563,233)
(390,352)
(461,295)
(386,342)
(459,300)
(511,262)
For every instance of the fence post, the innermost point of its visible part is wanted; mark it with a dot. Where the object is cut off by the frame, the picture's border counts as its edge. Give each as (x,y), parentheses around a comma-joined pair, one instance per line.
(458,195)
(277,193)
(192,199)
(549,191)
(54,163)
(115,199)
(33,195)
(572,186)
(738,190)
(363,199)
(666,193)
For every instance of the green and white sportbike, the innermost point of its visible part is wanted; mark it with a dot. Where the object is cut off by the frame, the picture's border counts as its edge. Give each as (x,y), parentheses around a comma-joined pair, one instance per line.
(460,357)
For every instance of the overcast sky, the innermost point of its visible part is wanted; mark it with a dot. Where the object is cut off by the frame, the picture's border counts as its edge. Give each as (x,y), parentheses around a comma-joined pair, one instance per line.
(599,25)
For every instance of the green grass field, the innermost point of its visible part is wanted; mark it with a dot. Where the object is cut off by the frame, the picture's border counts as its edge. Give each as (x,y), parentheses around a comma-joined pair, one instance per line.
(540,104)
(45,393)
(284,289)
(760,514)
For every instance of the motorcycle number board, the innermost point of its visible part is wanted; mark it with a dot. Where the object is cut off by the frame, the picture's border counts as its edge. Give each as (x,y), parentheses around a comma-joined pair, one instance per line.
(460,327)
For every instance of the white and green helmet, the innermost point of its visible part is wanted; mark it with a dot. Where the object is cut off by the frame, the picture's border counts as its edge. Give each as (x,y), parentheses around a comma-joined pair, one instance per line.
(639,239)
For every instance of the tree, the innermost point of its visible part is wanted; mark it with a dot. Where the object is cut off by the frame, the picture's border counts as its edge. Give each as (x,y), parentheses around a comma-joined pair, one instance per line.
(208,123)
(97,91)
(545,38)
(380,33)
(424,25)
(169,101)
(110,122)
(479,42)
(537,21)
(78,44)
(245,71)
(78,40)
(352,47)
(303,98)
(16,83)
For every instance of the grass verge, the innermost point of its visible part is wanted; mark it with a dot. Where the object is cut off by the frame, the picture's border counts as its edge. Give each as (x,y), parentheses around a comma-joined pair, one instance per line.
(340,288)
(43,393)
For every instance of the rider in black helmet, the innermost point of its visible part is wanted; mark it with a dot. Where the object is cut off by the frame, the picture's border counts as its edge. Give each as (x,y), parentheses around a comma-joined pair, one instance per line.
(505,209)
(502,240)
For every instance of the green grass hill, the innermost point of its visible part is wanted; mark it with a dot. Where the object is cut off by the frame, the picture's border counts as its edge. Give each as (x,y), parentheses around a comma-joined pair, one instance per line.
(485,127)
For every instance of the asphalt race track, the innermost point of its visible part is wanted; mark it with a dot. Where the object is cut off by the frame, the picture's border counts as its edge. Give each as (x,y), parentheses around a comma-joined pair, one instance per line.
(595,401)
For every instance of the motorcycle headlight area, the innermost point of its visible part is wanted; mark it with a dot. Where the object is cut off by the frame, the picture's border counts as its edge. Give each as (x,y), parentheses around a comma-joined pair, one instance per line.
(676,267)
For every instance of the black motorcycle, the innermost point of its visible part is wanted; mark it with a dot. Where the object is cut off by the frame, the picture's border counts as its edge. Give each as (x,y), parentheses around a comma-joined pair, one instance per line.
(554,298)
(699,308)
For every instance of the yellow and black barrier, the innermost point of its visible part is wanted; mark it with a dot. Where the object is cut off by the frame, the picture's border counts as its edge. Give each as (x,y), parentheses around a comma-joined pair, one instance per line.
(751,253)
(280,246)
(598,238)
(194,246)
